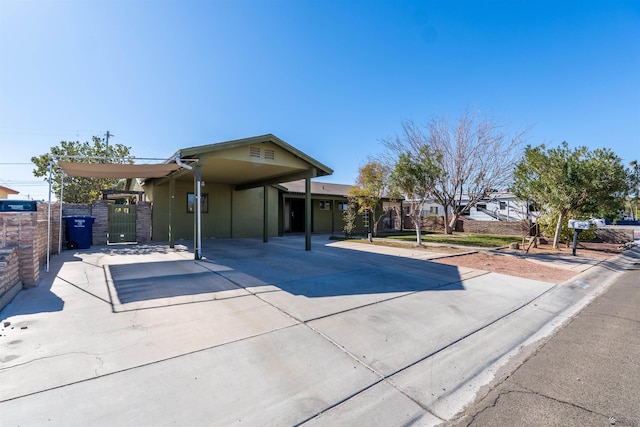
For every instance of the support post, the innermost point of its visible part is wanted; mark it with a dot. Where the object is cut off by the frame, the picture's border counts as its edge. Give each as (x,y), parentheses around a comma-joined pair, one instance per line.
(307,214)
(197,238)
(575,240)
(198,251)
(265,215)
(60,219)
(172,195)
(49,216)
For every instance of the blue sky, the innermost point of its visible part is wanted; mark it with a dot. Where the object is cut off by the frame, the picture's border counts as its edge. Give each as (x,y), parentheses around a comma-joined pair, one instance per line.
(332,78)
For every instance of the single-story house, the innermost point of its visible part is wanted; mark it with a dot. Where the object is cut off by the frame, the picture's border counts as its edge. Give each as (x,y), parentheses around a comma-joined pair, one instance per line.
(252,187)
(235,177)
(5,191)
(240,192)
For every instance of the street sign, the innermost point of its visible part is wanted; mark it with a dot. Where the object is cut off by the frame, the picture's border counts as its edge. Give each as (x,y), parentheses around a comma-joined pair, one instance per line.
(578,224)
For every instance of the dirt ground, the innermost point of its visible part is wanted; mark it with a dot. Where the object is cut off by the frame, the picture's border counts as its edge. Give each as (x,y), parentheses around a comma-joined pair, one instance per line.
(522,267)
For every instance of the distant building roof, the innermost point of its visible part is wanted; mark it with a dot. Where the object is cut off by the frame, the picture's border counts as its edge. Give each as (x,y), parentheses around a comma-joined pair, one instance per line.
(8,190)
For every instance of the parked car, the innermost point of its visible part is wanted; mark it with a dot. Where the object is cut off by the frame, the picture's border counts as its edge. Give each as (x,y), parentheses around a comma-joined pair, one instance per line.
(598,222)
(8,205)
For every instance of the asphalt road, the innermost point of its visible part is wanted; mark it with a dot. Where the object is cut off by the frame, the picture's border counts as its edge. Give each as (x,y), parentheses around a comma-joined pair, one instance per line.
(588,374)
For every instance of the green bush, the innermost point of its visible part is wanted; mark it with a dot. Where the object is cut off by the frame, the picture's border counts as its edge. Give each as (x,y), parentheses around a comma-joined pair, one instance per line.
(548,230)
(349,217)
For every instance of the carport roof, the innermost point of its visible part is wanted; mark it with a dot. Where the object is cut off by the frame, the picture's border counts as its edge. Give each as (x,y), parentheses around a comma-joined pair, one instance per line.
(223,162)
(117,171)
(249,172)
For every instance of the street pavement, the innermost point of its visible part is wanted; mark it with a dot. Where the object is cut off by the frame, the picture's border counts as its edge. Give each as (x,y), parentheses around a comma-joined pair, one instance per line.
(588,374)
(269,334)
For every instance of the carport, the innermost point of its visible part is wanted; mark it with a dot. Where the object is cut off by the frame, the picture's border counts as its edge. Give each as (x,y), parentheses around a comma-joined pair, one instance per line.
(262,161)
(241,181)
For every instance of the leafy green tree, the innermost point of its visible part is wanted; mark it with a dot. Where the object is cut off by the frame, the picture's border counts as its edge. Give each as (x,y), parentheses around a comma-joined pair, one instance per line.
(548,227)
(413,176)
(564,181)
(371,186)
(634,186)
(79,189)
(349,217)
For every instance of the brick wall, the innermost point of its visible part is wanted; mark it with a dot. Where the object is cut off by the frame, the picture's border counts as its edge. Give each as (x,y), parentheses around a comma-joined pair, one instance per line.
(100,211)
(26,232)
(494,227)
(43,230)
(615,235)
(24,235)
(143,221)
(10,283)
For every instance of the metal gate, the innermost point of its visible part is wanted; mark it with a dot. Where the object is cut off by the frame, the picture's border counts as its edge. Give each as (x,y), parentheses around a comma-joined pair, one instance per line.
(122,224)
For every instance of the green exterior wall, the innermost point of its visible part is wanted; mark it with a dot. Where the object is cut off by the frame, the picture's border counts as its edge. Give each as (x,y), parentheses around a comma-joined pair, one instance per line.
(248,207)
(231,214)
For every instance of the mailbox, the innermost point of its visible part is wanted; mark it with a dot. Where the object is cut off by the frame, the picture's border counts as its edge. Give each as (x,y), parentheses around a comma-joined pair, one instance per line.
(578,224)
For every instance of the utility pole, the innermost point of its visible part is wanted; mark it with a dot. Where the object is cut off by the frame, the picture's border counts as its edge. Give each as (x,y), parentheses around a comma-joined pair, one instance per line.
(108,134)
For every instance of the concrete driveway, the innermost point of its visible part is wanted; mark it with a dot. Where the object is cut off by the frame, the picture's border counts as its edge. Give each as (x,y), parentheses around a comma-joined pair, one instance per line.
(266,334)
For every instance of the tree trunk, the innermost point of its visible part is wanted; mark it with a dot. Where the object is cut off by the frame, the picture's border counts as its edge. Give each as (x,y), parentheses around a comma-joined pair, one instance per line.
(452,223)
(447,228)
(417,222)
(556,237)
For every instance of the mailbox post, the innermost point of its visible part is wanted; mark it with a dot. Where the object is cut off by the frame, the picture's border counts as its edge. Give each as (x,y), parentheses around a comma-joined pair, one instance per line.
(578,226)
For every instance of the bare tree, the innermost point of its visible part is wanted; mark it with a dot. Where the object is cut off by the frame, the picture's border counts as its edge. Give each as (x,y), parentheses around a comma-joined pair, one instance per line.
(475,156)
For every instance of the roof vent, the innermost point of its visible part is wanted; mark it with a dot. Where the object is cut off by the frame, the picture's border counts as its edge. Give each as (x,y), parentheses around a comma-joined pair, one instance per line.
(254,152)
(269,154)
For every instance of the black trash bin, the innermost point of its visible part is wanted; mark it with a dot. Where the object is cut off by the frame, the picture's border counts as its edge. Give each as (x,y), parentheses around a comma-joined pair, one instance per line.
(79,230)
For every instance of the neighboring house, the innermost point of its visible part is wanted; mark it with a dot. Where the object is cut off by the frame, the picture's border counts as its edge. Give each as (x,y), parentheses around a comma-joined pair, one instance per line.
(498,206)
(5,191)
(501,206)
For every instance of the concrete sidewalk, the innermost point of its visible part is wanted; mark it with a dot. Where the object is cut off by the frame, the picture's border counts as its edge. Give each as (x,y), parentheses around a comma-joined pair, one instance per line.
(588,374)
(267,334)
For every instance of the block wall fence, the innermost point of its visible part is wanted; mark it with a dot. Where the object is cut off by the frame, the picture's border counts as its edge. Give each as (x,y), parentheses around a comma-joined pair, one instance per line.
(23,240)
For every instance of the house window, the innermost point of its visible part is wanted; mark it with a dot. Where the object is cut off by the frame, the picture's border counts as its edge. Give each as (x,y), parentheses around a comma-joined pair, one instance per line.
(503,206)
(433,210)
(191,203)
(342,206)
(325,205)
